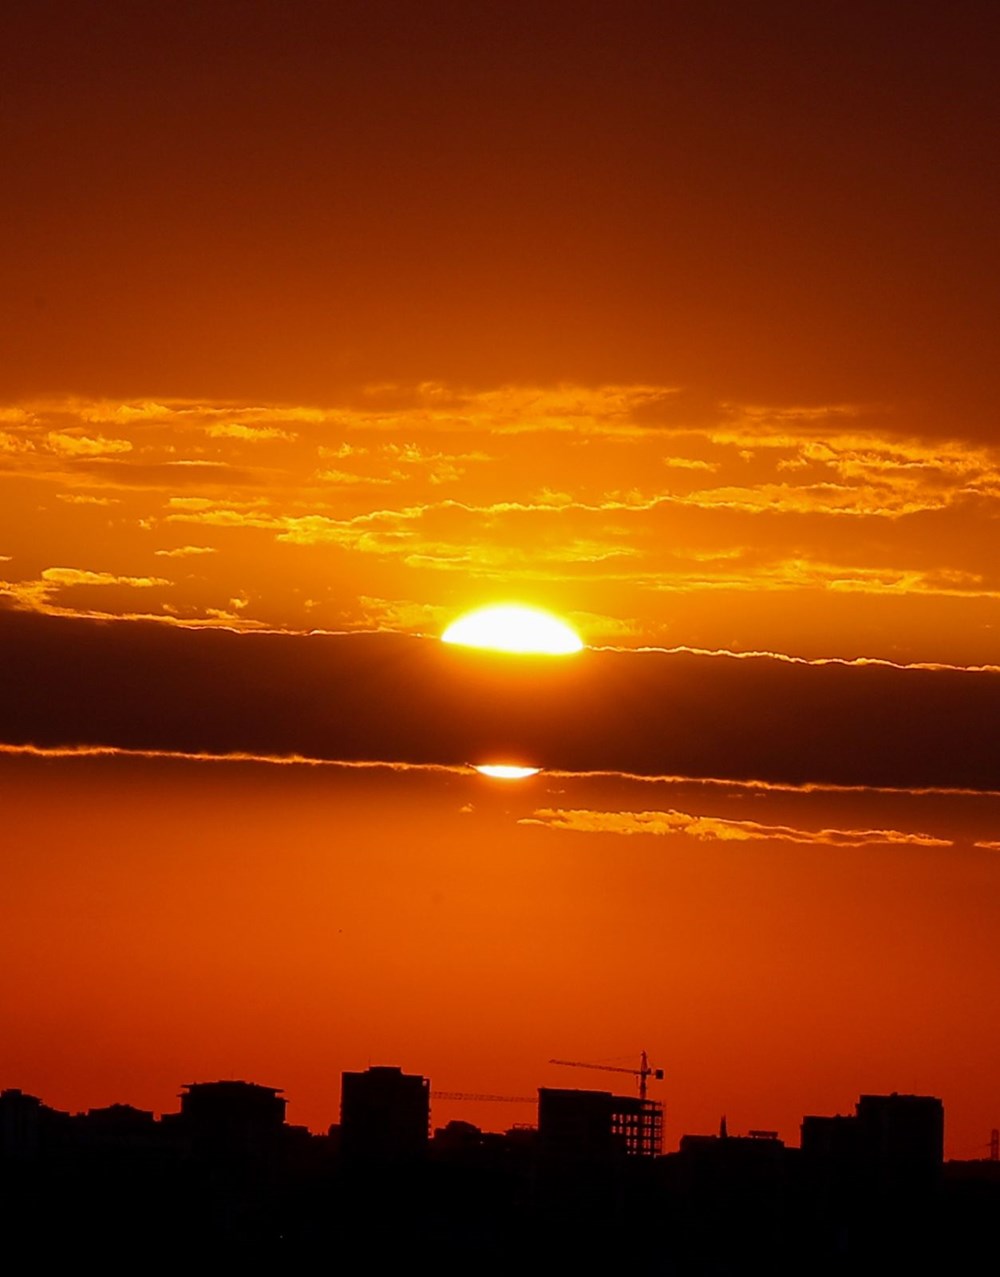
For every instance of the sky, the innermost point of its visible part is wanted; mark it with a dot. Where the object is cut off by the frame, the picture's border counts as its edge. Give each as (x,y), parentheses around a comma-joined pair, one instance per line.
(325,324)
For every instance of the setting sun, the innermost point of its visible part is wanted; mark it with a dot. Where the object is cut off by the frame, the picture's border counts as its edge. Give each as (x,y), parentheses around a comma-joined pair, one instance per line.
(513,628)
(506,771)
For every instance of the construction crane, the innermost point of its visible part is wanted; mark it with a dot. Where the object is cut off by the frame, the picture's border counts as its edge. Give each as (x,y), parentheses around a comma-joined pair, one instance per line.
(643,1072)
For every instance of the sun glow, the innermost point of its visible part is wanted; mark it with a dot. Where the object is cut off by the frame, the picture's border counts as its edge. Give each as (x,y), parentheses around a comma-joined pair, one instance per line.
(506,771)
(512,628)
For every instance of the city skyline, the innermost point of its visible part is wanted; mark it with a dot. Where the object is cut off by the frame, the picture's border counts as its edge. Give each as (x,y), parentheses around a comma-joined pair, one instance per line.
(389,1113)
(227,1168)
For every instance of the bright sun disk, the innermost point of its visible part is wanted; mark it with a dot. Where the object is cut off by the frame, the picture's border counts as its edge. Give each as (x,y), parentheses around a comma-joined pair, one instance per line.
(513,628)
(506,771)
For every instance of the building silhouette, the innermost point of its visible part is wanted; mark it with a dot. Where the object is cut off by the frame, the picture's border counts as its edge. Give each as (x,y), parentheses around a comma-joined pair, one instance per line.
(892,1145)
(29,1129)
(873,1181)
(384,1116)
(597,1126)
(901,1143)
(123,1123)
(231,1117)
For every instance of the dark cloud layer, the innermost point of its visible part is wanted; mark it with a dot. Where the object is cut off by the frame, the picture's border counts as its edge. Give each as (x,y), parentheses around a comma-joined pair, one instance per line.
(400,699)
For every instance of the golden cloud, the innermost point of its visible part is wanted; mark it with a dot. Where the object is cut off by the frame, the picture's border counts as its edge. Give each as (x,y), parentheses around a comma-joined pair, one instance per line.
(79,498)
(13,444)
(72,445)
(185,551)
(249,434)
(76,576)
(402,614)
(346,477)
(717,829)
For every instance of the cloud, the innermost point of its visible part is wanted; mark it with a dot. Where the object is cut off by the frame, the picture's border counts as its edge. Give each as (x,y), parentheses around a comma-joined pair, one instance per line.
(13,444)
(249,434)
(508,410)
(203,511)
(199,462)
(74,445)
(829,498)
(688,463)
(425,406)
(346,476)
(190,503)
(718,829)
(174,472)
(39,594)
(185,551)
(395,615)
(552,535)
(419,535)
(342,451)
(103,411)
(786,659)
(157,686)
(75,576)
(271,760)
(804,574)
(79,498)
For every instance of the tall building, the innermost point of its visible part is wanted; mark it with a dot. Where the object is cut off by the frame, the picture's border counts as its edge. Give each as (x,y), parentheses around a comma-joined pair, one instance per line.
(384,1115)
(871,1182)
(231,1116)
(596,1125)
(900,1141)
(28,1128)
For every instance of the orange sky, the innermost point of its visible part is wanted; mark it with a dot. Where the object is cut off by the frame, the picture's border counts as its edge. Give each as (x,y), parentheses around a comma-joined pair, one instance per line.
(340,320)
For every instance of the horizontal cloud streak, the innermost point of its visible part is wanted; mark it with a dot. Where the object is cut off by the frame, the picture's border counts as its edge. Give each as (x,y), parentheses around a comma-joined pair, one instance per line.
(718,829)
(270,760)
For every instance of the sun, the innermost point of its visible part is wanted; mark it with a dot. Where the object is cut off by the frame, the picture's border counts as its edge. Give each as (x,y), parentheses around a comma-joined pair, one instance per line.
(506,771)
(510,627)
